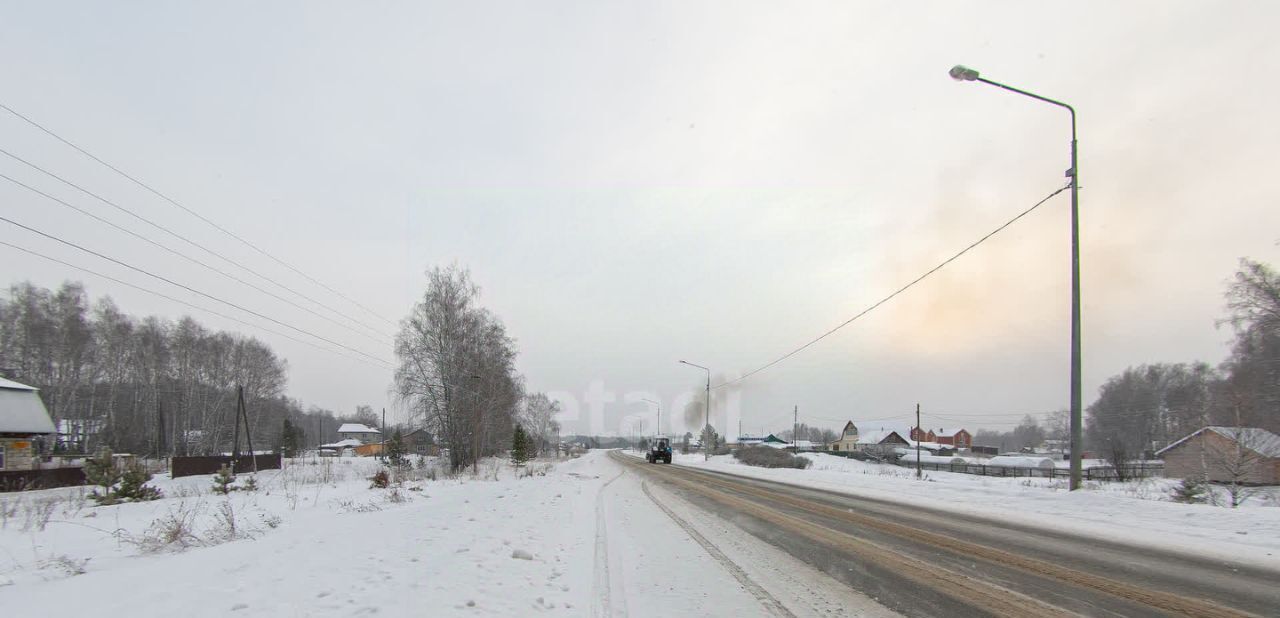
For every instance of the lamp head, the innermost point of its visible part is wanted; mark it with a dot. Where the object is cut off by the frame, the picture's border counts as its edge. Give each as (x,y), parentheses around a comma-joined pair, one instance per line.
(963,73)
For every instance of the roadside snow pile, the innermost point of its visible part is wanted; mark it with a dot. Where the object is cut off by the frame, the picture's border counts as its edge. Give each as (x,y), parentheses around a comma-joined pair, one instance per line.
(1139,511)
(323,544)
(765,457)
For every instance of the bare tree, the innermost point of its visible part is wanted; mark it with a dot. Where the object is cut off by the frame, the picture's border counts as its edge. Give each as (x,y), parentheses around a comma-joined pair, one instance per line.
(456,368)
(538,417)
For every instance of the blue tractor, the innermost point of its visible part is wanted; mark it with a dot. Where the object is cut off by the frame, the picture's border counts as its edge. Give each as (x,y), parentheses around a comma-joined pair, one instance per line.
(659,450)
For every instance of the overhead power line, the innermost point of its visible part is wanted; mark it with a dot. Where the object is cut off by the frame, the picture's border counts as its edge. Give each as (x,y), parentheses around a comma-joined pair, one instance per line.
(189,289)
(191,212)
(188,241)
(191,305)
(385,338)
(891,296)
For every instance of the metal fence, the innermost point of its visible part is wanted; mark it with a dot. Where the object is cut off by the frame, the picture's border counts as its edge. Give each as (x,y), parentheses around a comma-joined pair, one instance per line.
(1096,473)
(192,466)
(46,478)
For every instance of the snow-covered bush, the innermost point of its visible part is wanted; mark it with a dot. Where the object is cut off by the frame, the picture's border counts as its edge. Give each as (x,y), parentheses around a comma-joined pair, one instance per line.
(765,457)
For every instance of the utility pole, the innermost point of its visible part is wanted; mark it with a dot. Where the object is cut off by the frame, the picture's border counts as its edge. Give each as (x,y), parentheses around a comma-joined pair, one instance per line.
(706,448)
(795,430)
(918,432)
(382,452)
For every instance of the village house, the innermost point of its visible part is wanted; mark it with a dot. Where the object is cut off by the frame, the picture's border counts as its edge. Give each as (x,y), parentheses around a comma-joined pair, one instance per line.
(848,440)
(419,442)
(361,433)
(880,441)
(24,423)
(1246,455)
(873,441)
(955,438)
(923,435)
(356,439)
(958,438)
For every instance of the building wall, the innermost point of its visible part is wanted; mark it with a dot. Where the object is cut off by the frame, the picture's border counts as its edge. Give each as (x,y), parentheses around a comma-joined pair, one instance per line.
(19,453)
(1202,456)
(845,444)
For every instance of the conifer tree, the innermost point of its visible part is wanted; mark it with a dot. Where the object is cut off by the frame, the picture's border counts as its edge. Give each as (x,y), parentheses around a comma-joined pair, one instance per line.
(223,481)
(519,447)
(395,450)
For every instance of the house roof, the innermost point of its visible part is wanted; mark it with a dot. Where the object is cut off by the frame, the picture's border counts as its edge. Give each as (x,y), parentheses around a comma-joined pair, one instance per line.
(878,436)
(348,443)
(15,385)
(21,410)
(1261,441)
(356,428)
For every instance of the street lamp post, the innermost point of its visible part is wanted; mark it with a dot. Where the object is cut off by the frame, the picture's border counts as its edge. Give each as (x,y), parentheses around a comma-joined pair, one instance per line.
(961,73)
(659,413)
(707,418)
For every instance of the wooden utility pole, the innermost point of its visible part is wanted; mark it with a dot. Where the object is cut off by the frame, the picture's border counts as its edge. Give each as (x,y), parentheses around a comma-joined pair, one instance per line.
(242,413)
(235,432)
(795,430)
(382,453)
(160,431)
(919,431)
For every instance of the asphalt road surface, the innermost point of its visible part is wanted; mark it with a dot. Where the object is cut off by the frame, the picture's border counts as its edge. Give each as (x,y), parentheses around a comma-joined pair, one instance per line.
(922,562)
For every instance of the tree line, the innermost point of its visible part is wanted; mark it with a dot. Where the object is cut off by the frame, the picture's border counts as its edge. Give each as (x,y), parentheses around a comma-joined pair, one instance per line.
(1149,406)
(148,385)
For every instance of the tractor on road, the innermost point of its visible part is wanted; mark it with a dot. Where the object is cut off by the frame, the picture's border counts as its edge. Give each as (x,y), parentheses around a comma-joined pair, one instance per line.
(659,450)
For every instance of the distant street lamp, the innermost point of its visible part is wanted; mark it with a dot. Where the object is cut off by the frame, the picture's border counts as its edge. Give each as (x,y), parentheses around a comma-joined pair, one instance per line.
(707,418)
(965,74)
(659,413)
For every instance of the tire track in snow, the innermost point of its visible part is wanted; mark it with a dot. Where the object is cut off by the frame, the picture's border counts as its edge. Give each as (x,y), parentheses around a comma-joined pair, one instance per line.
(770,603)
(601,597)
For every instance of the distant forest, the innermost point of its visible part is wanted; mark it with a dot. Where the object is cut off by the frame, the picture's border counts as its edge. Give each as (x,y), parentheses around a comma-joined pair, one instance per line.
(1149,406)
(147,385)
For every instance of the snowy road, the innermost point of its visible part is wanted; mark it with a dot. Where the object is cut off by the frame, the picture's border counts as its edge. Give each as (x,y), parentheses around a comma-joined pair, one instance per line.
(656,553)
(926,564)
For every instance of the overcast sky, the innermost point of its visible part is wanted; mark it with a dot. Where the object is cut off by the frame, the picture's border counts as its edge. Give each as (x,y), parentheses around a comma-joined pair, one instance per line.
(632,183)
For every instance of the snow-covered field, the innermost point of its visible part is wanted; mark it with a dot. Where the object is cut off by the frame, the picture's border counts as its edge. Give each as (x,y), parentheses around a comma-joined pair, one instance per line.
(1131,512)
(315,539)
(579,537)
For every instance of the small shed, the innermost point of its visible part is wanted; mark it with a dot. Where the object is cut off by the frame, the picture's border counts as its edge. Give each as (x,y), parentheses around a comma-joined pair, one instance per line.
(23,421)
(1224,454)
(339,448)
